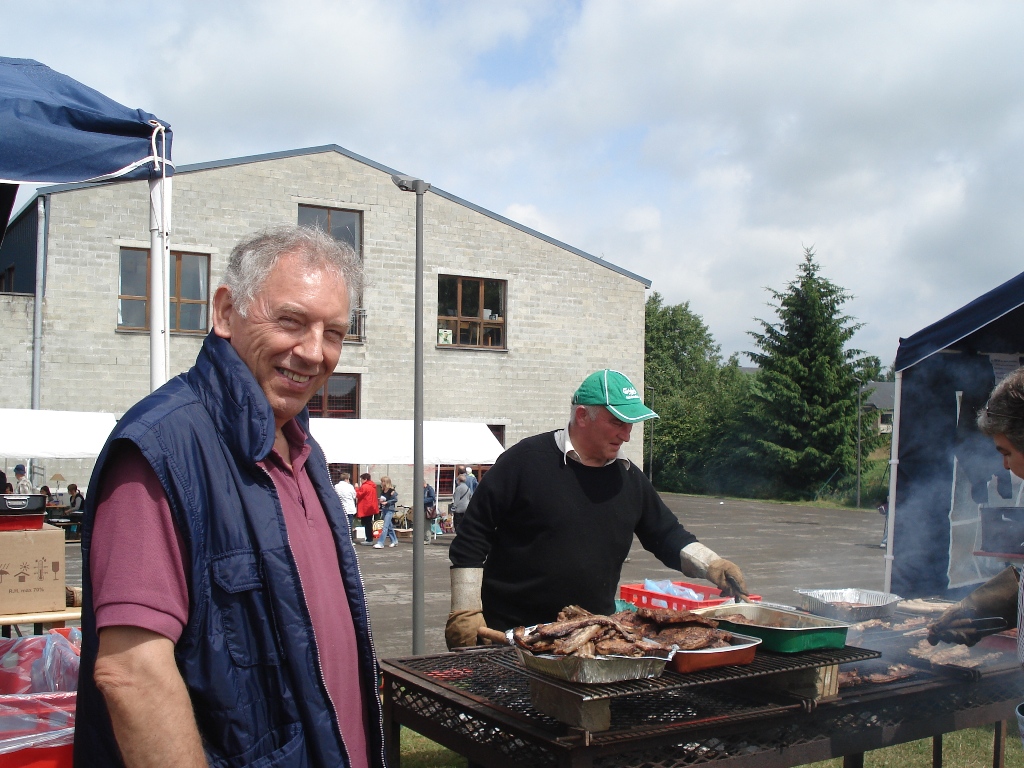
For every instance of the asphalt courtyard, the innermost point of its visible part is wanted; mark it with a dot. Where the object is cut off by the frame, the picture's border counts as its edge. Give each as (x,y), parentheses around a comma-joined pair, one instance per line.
(780,547)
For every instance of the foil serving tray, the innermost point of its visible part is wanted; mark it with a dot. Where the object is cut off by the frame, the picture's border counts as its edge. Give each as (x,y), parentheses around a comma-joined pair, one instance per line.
(600,669)
(871,604)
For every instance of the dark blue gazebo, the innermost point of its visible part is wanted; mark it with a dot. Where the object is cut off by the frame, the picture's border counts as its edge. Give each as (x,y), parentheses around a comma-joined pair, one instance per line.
(944,467)
(53,129)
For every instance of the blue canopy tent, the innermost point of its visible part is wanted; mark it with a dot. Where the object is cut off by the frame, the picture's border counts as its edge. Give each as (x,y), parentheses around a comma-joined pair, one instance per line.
(53,129)
(943,467)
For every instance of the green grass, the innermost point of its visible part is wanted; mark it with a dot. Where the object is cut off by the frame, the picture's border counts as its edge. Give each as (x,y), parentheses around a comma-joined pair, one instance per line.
(971,748)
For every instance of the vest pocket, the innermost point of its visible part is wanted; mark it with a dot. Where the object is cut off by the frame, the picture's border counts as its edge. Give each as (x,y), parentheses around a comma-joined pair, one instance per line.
(244,609)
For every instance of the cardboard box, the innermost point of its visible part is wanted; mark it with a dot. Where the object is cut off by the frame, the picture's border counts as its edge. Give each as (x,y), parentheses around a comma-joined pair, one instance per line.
(32,571)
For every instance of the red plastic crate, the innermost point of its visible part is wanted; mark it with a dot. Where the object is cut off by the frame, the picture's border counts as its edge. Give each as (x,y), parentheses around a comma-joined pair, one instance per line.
(644,598)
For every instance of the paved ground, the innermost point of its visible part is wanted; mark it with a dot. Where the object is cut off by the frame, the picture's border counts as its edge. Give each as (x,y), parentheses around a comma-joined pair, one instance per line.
(778,546)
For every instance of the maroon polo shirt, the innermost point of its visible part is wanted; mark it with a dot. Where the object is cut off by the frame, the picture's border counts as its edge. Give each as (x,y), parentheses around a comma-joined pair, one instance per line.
(138,571)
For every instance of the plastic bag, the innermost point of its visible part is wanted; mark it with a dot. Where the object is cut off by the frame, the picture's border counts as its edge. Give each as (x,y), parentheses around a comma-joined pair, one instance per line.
(40,663)
(666,587)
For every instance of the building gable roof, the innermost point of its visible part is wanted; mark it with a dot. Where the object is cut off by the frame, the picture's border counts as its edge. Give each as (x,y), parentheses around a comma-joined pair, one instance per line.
(194,167)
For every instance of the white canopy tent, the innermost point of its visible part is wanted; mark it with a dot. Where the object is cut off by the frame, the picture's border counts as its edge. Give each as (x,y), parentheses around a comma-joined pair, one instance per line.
(390,441)
(37,434)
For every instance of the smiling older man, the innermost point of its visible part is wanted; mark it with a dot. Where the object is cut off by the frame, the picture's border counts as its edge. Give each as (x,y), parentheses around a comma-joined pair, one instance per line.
(552,522)
(224,620)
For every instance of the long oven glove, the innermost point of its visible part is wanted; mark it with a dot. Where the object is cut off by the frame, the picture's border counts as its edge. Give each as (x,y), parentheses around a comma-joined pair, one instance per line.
(466,615)
(702,562)
(997,597)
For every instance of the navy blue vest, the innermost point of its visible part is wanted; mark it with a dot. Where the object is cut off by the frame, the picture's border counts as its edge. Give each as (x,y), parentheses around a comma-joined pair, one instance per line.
(247,653)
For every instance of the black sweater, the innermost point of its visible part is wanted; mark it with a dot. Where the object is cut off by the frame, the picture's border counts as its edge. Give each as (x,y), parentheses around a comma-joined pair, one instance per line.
(550,532)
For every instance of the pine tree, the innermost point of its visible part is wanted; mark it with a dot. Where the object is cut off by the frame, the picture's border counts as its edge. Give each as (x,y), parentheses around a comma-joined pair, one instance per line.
(691,391)
(801,428)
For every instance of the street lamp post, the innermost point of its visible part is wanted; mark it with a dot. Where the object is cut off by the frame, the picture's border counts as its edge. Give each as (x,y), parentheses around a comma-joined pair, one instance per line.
(650,466)
(410,184)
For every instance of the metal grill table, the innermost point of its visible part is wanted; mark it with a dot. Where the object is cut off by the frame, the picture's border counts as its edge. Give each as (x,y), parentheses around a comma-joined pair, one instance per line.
(478,703)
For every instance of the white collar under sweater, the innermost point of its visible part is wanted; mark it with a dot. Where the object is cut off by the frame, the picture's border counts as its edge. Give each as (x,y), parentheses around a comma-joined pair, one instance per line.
(564,443)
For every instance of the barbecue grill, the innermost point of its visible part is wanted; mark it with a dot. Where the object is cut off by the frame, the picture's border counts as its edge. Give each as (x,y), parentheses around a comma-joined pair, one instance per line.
(482,704)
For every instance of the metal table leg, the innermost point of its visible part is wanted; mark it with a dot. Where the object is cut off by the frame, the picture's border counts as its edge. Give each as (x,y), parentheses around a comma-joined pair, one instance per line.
(999,745)
(937,751)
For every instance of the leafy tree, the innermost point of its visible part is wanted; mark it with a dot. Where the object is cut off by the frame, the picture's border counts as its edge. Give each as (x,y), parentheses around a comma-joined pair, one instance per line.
(691,391)
(801,426)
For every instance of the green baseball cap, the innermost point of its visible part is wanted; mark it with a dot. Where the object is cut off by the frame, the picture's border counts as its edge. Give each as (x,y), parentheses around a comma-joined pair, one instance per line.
(615,392)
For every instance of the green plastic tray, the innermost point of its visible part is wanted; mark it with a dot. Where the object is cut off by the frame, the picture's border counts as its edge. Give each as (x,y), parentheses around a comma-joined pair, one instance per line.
(789,631)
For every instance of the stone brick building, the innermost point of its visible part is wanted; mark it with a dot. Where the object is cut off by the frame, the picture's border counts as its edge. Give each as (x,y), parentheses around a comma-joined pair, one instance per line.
(520,318)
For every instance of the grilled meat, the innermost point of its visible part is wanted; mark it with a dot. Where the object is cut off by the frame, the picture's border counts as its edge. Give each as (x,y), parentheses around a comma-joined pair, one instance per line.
(664,617)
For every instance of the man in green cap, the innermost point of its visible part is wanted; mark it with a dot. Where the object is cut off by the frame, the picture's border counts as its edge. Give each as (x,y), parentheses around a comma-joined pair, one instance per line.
(553,520)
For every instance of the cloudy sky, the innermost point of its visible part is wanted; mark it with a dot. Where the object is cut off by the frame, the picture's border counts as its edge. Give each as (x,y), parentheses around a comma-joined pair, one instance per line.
(702,145)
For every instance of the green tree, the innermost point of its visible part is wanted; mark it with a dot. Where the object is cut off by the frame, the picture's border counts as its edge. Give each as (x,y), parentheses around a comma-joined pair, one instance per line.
(802,420)
(690,389)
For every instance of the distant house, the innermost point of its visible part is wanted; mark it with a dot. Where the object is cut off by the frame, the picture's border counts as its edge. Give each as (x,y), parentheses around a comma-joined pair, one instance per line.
(879,404)
(514,319)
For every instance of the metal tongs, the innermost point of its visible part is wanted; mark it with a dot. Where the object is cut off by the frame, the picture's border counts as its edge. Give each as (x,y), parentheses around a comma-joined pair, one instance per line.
(990,625)
(737,591)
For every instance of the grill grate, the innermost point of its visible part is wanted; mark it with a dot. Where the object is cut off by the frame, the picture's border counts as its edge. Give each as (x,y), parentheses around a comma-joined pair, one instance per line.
(471,702)
(764,663)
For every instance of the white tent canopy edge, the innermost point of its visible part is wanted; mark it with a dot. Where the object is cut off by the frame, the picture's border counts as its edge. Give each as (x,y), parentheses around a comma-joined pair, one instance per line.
(41,434)
(390,441)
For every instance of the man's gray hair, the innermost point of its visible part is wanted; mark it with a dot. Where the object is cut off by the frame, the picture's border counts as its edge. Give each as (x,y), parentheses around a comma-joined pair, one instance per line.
(1004,412)
(253,259)
(592,412)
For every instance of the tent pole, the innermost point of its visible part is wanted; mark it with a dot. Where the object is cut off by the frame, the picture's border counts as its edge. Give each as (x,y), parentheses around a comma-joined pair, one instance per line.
(165,247)
(894,460)
(37,309)
(157,288)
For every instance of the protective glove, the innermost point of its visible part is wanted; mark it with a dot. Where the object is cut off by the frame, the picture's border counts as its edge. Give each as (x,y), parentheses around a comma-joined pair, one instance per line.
(702,562)
(460,631)
(996,597)
(727,577)
(466,616)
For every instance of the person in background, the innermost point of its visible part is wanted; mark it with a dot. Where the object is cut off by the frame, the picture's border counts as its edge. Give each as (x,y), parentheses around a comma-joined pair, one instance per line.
(388,499)
(367,505)
(553,521)
(883,510)
(8,488)
(347,493)
(3,480)
(224,620)
(75,500)
(22,485)
(1002,419)
(460,501)
(471,481)
(429,509)
(45,490)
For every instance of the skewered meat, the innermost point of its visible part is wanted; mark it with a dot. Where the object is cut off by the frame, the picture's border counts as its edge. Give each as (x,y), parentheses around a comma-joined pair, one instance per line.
(916,621)
(586,635)
(869,624)
(562,628)
(893,673)
(850,678)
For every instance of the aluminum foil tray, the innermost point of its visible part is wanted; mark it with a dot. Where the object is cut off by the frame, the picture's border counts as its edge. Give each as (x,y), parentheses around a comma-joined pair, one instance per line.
(873,605)
(739,651)
(602,669)
(781,631)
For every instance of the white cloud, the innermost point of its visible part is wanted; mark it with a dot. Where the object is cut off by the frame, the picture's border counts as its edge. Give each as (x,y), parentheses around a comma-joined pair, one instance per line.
(699,144)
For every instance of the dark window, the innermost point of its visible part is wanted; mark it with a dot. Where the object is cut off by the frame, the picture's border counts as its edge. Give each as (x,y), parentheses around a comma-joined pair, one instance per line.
(498,430)
(188,290)
(7,280)
(339,398)
(344,226)
(470,312)
(886,418)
